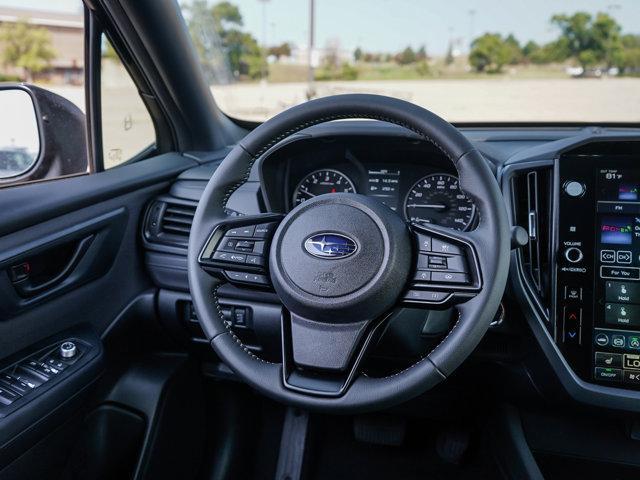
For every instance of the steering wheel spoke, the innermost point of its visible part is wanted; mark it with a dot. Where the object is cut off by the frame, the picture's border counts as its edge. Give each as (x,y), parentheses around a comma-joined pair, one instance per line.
(323,359)
(446,268)
(237,250)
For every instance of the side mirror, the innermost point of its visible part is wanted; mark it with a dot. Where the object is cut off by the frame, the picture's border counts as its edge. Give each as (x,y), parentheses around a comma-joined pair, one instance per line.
(42,135)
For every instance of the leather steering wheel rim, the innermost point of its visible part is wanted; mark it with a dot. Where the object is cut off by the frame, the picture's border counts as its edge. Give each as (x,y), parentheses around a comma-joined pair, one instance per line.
(491,240)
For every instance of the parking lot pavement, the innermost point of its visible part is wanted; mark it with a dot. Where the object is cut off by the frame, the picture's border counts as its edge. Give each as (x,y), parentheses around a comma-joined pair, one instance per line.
(491,100)
(473,100)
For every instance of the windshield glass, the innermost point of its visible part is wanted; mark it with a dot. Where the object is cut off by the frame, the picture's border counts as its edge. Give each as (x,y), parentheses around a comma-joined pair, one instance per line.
(468,61)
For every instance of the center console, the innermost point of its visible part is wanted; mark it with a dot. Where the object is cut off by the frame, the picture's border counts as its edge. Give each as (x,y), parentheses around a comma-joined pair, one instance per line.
(597,269)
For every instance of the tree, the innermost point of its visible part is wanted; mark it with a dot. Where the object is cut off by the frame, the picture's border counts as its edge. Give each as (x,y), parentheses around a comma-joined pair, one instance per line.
(489,53)
(421,55)
(282,50)
(357,54)
(515,52)
(587,40)
(406,57)
(27,47)
(241,49)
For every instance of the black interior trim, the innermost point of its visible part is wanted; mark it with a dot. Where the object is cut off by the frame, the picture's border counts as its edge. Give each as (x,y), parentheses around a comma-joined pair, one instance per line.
(66,195)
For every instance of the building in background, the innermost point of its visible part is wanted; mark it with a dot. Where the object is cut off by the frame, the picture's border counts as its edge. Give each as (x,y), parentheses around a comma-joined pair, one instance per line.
(66,32)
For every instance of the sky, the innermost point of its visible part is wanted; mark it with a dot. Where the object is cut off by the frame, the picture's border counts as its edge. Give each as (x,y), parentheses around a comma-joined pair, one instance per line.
(391,25)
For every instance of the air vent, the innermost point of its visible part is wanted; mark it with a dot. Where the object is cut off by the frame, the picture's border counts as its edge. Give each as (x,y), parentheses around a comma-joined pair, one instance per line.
(168,221)
(532,201)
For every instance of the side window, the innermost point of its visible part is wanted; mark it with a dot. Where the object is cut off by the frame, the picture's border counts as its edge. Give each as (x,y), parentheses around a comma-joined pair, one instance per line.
(127,128)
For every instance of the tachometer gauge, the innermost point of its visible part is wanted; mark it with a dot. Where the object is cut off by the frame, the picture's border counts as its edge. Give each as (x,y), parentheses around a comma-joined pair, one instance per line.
(438,199)
(320,182)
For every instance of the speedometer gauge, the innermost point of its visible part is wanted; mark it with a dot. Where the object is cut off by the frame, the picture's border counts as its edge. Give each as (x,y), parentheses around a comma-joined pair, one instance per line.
(438,199)
(320,182)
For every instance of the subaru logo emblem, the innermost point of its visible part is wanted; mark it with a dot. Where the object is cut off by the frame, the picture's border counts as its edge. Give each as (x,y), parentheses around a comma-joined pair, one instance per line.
(330,246)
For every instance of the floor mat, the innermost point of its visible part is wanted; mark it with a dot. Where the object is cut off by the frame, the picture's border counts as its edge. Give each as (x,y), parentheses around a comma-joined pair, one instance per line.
(333,453)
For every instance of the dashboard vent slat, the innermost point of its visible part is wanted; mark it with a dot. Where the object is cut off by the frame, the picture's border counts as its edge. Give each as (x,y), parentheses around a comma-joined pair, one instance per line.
(532,193)
(168,222)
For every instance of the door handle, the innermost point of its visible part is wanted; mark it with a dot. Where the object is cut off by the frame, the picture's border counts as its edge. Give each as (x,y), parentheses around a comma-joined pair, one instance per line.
(27,288)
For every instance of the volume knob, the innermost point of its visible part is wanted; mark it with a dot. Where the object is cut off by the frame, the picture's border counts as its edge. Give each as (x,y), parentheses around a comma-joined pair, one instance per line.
(573,254)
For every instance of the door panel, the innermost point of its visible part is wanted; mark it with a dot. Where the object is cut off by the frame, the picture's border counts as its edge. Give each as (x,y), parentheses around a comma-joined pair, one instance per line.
(84,235)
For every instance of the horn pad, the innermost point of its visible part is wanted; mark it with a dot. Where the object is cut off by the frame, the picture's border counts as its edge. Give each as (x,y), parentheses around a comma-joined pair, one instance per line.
(340,258)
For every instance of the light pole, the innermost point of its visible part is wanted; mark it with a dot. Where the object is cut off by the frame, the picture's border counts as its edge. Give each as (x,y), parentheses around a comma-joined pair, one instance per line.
(263,70)
(311,92)
(472,16)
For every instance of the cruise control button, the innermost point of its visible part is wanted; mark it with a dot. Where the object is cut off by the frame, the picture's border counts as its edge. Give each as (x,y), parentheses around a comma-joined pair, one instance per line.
(440,246)
(426,296)
(604,359)
(422,276)
(246,231)
(457,263)
(245,246)
(424,242)
(608,374)
(449,277)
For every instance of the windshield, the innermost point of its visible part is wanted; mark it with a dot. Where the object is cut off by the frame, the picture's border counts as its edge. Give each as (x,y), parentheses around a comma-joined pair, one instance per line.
(468,61)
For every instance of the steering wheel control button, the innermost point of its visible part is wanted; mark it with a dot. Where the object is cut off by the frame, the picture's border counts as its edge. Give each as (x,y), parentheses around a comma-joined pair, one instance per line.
(230,257)
(255,260)
(68,350)
(450,277)
(248,278)
(573,255)
(574,189)
(424,242)
(440,246)
(422,276)
(263,230)
(605,359)
(246,231)
(426,296)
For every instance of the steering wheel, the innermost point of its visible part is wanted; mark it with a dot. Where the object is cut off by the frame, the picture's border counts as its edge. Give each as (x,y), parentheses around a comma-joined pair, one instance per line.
(340,263)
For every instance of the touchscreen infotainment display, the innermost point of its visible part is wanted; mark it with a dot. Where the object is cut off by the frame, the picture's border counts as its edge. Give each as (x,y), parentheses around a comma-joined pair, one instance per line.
(617,282)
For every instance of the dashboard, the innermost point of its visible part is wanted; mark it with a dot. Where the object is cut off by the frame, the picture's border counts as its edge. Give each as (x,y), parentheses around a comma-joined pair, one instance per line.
(408,176)
(572,312)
